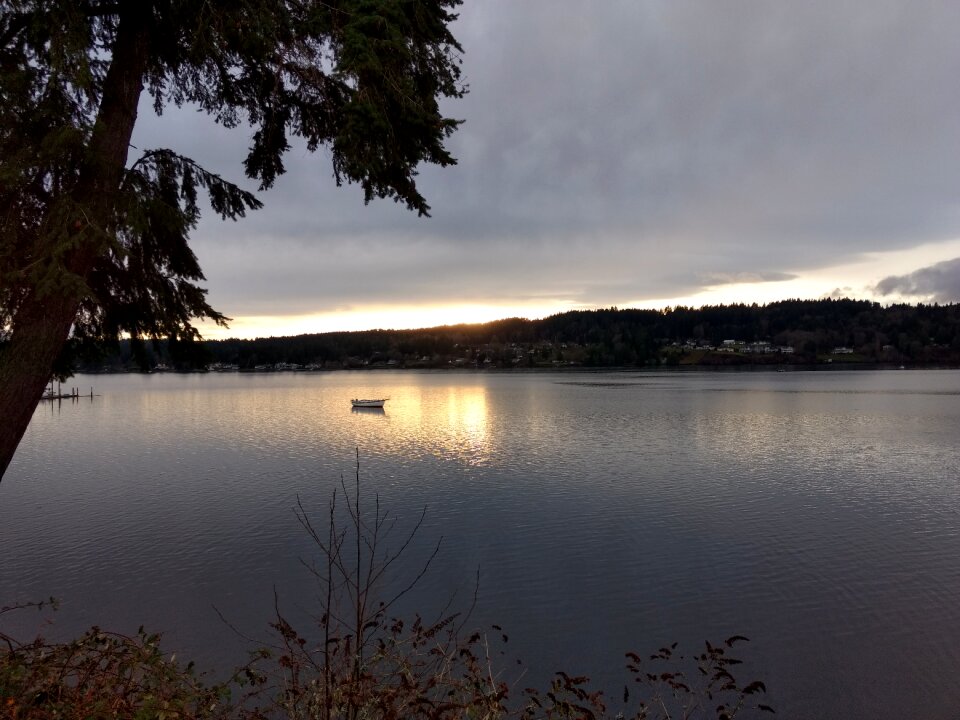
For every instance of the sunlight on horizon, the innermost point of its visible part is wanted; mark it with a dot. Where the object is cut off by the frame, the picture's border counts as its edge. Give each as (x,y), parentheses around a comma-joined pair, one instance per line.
(374,318)
(854,279)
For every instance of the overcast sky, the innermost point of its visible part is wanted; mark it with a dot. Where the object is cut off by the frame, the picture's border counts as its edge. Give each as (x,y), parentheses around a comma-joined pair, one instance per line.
(630,153)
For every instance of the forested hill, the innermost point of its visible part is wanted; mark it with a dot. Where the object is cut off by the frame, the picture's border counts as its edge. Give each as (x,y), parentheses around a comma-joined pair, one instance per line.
(787,332)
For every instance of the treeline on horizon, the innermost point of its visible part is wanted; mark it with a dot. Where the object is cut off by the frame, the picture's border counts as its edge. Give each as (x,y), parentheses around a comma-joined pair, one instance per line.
(795,331)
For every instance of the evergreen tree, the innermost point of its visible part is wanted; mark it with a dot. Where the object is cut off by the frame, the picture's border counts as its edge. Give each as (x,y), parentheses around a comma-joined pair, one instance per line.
(93,245)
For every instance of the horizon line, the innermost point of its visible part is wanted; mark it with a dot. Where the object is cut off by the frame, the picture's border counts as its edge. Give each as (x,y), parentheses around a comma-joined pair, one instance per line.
(663,310)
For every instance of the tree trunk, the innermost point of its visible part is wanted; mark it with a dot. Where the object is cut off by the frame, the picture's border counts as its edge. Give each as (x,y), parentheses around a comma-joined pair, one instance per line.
(43,321)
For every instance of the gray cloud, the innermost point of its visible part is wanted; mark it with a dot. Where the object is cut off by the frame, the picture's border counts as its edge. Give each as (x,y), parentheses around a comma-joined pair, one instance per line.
(840,293)
(936,283)
(623,150)
(730,278)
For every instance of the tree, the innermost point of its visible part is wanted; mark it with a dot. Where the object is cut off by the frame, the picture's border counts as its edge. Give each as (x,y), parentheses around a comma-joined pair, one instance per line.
(94,247)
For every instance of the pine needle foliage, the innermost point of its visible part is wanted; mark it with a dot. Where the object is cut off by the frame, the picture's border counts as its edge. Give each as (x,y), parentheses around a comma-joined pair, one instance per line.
(362,77)
(94,233)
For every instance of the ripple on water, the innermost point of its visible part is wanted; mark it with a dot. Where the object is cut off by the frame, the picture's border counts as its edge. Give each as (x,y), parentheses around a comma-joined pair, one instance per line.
(817,513)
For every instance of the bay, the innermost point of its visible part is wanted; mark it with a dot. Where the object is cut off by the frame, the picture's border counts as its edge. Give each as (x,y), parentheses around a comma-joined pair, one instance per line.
(817,513)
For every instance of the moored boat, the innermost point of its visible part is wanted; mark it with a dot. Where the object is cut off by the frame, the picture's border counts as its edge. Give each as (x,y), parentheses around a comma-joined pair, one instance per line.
(369,403)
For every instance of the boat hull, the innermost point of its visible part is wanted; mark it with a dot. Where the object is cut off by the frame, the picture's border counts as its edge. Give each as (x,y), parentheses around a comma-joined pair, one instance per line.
(368,403)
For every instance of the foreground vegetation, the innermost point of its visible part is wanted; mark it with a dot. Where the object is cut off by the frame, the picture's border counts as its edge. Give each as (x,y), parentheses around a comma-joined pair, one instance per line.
(359,661)
(793,332)
(423,671)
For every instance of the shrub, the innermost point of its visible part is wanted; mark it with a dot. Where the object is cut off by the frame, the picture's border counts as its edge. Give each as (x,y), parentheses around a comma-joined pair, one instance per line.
(359,662)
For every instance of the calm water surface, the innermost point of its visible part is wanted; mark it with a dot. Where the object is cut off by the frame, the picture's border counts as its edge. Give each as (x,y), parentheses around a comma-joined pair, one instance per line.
(817,513)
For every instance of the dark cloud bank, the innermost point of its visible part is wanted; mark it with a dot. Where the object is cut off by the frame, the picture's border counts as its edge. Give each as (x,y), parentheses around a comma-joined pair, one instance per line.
(622,150)
(937,283)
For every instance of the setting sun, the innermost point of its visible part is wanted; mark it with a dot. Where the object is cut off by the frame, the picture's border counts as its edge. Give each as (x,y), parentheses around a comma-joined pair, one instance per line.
(369,318)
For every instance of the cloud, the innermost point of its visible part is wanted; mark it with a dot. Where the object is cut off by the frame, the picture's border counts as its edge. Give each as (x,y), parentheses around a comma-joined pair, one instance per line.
(730,278)
(840,293)
(624,150)
(936,283)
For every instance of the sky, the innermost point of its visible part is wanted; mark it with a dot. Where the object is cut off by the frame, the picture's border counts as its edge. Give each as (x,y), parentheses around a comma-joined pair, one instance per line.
(629,153)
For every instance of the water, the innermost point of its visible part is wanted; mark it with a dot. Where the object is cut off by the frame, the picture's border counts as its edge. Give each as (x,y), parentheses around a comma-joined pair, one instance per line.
(817,513)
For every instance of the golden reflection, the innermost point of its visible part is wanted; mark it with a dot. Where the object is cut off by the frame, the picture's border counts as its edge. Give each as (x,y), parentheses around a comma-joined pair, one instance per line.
(467,417)
(448,422)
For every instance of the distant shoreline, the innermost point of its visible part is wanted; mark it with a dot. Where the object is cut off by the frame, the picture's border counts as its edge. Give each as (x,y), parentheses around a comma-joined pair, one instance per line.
(660,369)
(788,334)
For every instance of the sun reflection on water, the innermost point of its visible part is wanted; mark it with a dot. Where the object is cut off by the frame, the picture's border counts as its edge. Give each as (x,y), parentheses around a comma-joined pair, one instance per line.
(468,424)
(450,422)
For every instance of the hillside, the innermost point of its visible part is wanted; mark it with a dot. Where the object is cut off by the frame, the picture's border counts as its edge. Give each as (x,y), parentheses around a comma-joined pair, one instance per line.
(794,332)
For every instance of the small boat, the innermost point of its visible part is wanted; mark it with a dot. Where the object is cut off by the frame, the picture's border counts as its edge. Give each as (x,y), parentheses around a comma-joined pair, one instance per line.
(368,403)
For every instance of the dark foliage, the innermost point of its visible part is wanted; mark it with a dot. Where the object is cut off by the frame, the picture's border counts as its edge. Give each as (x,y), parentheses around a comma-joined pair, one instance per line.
(361,77)
(921,334)
(93,246)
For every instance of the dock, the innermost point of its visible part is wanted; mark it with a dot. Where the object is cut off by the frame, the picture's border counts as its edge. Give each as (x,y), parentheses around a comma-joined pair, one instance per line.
(58,394)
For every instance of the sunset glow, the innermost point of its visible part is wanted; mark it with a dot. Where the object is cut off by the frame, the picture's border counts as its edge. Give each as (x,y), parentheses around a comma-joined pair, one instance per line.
(856,279)
(375,317)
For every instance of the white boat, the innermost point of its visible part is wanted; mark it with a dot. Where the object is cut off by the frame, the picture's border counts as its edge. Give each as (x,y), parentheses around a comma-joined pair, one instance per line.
(369,403)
